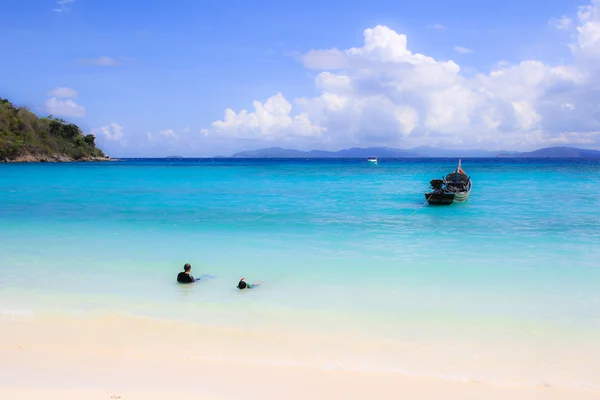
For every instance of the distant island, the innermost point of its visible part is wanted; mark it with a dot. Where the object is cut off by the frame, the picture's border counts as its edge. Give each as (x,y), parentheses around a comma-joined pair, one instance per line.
(418,152)
(24,137)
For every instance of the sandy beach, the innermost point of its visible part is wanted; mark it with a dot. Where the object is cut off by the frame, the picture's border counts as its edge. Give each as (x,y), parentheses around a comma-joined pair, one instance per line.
(407,190)
(103,357)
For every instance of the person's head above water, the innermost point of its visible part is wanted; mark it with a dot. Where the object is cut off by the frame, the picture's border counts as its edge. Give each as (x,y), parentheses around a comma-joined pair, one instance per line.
(185,276)
(243,285)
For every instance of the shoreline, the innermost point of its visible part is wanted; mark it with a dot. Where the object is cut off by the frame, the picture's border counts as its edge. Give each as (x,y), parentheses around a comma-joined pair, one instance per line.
(133,357)
(57,158)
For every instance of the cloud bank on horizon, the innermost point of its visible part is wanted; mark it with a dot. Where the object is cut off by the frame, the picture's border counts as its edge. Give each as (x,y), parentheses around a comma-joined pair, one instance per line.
(382,93)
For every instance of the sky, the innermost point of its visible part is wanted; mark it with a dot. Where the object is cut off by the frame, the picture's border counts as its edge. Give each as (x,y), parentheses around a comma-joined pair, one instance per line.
(210,78)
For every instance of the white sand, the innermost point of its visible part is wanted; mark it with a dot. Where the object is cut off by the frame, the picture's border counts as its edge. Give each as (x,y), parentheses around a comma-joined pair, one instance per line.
(51,357)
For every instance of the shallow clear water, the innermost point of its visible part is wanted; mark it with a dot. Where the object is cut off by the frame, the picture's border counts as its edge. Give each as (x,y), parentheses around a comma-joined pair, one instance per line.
(338,244)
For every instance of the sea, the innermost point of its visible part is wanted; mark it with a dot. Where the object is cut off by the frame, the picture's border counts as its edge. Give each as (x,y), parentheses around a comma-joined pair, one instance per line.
(502,289)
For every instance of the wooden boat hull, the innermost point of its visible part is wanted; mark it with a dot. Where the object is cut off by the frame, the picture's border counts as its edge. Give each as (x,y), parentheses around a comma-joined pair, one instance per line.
(439,199)
(460,197)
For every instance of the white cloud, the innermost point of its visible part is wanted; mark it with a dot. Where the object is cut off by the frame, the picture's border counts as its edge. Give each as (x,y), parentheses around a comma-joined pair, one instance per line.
(103,61)
(586,48)
(186,129)
(166,133)
(463,50)
(382,47)
(112,132)
(64,92)
(63,5)
(64,108)
(269,120)
(382,93)
(568,106)
(438,27)
(562,24)
(62,105)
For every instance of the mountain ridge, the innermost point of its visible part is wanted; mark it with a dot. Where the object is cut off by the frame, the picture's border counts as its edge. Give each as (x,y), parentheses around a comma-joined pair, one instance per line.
(417,152)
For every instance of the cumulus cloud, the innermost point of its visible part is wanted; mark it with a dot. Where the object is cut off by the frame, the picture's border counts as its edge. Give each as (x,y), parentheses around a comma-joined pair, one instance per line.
(463,50)
(112,132)
(383,93)
(62,104)
(587,46)
(269,120)
(64,108)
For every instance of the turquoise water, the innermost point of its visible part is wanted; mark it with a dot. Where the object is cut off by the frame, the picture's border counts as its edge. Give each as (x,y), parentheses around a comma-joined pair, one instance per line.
(339,245)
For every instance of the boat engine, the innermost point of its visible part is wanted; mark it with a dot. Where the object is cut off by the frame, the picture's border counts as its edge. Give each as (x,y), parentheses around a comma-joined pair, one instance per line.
(437,184)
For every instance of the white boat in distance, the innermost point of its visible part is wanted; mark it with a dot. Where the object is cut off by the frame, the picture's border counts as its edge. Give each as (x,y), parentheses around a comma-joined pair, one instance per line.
(372,160)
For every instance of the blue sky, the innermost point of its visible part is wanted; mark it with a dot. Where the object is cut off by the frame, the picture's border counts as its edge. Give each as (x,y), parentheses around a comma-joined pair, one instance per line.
(151,78)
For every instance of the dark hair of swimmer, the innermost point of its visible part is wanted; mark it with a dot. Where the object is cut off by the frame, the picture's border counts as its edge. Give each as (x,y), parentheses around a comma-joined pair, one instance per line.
(243,285)
(186,277)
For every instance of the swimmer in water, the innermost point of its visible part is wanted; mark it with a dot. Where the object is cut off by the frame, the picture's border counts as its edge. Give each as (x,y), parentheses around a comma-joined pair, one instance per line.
(185,276)
(243,285)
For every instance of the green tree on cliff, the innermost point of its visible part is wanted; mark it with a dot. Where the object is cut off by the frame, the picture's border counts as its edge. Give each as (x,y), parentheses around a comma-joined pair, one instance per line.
(23,133)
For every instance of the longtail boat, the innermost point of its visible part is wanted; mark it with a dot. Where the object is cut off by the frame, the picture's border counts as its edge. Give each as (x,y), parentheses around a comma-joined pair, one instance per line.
(455,187)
